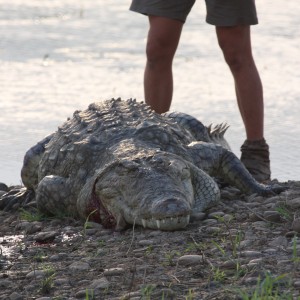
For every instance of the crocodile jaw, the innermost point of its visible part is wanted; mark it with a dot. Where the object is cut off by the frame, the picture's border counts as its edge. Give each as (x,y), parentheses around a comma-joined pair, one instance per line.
(169,224)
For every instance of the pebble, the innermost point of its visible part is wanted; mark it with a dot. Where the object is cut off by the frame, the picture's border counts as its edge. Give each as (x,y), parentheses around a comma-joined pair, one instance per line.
(145,242)
(16,296)
(231,264)
(209,222)
(101,283)
(250,253)
(270,251)
(260,225)
(250,280)
(272,216)
(296,225)
(45,236)
(79,266)
(61,282)
(212,230)
(272,200)
(36,274)
(190,260)
(294,203)
(291,234)
(256,261)
(297,284)
(114,272)
(279,241)
(245,244)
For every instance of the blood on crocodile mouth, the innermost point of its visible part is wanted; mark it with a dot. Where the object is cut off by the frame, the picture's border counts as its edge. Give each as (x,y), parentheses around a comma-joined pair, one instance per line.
(97,212)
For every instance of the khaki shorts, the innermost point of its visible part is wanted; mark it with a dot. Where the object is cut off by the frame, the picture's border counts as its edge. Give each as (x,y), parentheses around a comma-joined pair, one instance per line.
(219,12)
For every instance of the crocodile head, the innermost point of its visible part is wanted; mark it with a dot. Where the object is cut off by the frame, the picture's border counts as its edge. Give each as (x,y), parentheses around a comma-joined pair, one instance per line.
(154,191)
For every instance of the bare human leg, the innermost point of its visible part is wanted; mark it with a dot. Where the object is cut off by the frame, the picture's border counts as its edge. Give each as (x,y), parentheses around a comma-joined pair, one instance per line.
(235,43)
(163,39)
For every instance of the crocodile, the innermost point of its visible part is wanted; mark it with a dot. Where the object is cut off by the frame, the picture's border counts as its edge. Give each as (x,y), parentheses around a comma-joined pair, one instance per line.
(119,163)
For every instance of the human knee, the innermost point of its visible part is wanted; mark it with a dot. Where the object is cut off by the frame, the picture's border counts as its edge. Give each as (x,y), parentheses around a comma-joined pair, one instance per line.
(158,52)
(235,59)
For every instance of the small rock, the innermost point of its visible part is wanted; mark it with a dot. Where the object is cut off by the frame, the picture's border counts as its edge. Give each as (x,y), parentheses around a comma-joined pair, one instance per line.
(283,263)
(209,222)
(60,282)
(36,274)
(255,261)
(145,242)
(101,284)
(212,230)
(249,253)
(132,295)
(190,260)
(260,225)
(79,266)
(296,225)
(272,216)
(114,272)
(290,234)
(270,251)
(90,231)
(297,284)
(250,280)
(231,264)
(16,296)
(45,236)
(272,199)
(85,293)
(294,203)
(280,241)
(254,217)
(5,283)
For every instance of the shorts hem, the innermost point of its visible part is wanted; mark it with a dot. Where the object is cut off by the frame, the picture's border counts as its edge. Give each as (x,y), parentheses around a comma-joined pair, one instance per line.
(231,23)
(150,12)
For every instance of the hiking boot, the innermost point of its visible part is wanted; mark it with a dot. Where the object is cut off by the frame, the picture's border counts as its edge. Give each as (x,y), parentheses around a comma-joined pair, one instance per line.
(256,158)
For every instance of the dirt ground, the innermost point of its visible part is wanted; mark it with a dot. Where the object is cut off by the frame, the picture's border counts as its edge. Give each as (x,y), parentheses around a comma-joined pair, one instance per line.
(245,248)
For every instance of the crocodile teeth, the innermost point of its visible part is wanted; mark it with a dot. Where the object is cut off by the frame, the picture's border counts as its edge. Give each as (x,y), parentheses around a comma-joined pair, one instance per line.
(166,223)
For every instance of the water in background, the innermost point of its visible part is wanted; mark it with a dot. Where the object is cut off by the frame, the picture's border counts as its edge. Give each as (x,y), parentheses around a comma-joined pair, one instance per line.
(57,56)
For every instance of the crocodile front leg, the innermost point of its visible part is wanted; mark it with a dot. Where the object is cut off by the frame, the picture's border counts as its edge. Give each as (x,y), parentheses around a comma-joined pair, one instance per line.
(54,196)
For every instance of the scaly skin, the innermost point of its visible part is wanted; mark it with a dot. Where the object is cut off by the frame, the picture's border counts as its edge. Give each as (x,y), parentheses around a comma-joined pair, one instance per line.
(120,163)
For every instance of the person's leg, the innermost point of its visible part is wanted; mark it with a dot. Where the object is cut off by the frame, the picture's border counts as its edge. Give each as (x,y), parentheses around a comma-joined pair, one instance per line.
(236,46)
(163,38)
(235,43)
